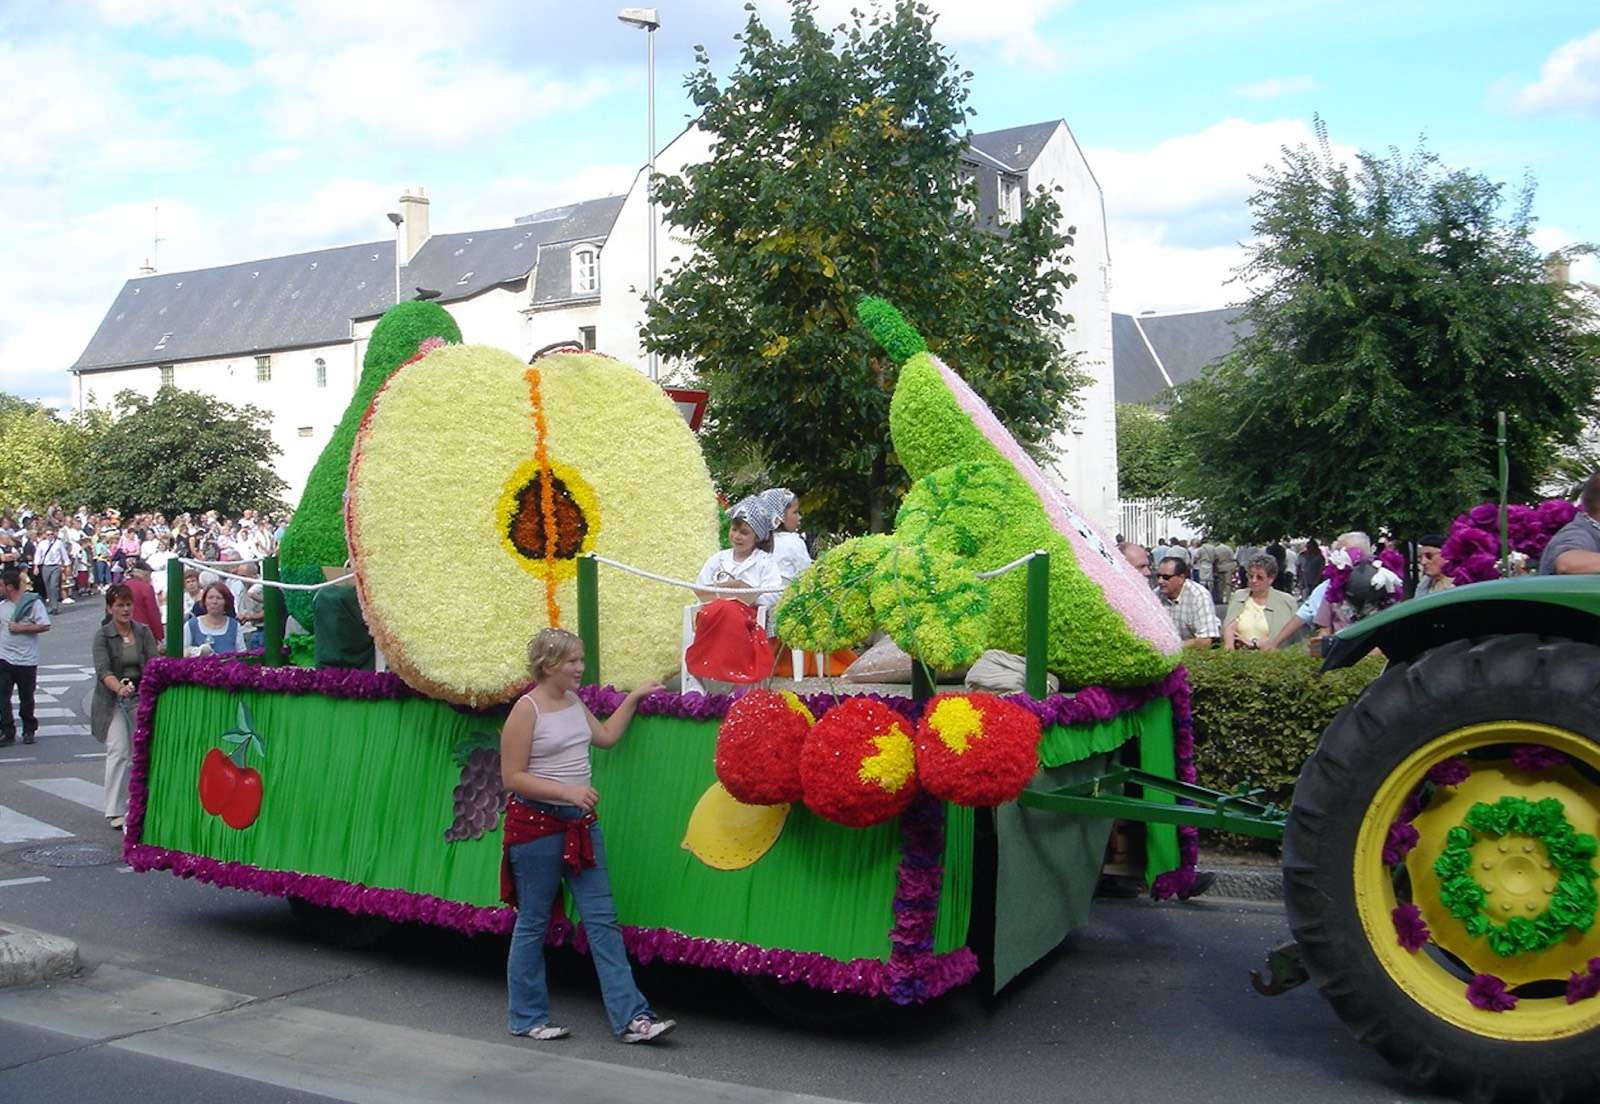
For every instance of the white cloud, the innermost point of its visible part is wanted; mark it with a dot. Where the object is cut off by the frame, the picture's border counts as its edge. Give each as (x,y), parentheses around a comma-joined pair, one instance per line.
(1550,239)
(1275,87)
(1009,26)
(1178,211)
(1569,80)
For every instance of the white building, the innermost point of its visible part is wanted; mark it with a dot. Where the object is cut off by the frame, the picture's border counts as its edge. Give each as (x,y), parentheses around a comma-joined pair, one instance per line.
(288,333)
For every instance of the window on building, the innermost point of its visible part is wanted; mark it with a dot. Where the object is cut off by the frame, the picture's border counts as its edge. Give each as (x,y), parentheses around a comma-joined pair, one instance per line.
(585,270)
(166,375)
(586,334)
(1010,199)
(305,431)
(263,369)
(322,372)
(967,201)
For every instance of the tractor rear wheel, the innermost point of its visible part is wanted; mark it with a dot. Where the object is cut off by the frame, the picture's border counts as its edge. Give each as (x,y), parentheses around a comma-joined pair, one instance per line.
(1440,868)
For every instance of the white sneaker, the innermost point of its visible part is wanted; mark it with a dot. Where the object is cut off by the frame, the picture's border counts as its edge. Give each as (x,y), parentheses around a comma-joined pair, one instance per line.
(544,1032)
(646,1029)
(69,601)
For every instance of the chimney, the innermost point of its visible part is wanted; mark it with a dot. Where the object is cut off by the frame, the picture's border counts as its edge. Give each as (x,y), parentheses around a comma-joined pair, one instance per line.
(413,232)
(147,269)
(1558,269)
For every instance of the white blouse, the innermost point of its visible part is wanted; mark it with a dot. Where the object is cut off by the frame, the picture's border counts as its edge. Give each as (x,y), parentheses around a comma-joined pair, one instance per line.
(789,551)
(757,570)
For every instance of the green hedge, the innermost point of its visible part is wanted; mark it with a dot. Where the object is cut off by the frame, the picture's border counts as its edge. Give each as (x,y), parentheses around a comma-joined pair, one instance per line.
(1258,715)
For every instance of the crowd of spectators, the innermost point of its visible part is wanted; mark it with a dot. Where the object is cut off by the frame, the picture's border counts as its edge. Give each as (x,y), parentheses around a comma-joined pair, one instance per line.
(66,555)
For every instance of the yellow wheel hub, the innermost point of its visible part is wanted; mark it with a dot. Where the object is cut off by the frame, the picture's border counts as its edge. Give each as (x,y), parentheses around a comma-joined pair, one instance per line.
(1514,871)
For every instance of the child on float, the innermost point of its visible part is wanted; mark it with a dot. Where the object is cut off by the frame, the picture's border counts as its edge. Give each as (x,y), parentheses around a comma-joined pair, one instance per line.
(551,835)
(789,551)
(722,630)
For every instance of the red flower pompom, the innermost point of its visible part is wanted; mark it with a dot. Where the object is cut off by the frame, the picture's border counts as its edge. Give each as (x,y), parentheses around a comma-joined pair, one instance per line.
(859,766)
(976,749)
(758,747)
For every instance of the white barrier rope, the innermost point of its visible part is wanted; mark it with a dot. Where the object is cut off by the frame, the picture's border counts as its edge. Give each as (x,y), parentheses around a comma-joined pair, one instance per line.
(1012,566)
(266,582)
(219,563)
(643,574)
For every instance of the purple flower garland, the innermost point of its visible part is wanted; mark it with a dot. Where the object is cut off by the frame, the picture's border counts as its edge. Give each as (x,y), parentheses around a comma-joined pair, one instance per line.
(1472,551)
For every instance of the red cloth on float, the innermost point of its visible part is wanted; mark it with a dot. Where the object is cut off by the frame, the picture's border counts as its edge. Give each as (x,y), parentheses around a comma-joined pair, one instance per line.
(524,824)
(729,646)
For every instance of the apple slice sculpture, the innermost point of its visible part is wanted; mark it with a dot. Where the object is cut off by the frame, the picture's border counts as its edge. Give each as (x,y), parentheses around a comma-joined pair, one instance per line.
(978,502)
(477,481)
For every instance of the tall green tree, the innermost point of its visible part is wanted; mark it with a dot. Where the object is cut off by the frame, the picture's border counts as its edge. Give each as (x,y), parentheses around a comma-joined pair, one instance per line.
(43,457)
(182,450)
(835,169)
(1148,456)
(1398,304)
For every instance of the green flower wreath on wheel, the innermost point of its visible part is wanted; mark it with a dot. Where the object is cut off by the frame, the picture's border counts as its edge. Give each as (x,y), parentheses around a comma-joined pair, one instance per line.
(1572,904)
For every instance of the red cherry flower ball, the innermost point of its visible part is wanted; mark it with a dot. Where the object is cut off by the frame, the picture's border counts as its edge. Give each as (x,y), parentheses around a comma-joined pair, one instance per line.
(976,749)
(859,765)
(758,747)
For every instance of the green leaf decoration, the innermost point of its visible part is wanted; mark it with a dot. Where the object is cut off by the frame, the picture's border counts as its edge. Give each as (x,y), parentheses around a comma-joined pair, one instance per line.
(235,738)
(475,740)
(827,607)
(960,509)
(244,719)
(934,607)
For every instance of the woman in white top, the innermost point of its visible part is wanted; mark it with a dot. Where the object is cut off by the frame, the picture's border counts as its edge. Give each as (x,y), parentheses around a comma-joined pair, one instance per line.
(788,546)
(544,762)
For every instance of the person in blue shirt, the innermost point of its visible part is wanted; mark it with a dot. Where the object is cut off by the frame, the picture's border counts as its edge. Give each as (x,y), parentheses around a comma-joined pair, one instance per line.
(216,631)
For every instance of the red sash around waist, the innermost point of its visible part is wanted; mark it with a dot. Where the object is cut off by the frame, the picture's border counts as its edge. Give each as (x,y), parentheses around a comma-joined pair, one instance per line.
(524,824)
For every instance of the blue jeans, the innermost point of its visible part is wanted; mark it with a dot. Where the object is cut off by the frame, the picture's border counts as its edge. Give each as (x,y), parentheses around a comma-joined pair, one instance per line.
(538,870)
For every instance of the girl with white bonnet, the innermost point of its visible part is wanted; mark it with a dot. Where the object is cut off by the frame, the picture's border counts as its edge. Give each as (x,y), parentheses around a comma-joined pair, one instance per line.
(789,550)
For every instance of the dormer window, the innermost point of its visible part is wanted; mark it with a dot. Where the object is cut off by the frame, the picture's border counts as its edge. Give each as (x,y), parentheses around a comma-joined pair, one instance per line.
(1010,199)
(967,201)
(586,270)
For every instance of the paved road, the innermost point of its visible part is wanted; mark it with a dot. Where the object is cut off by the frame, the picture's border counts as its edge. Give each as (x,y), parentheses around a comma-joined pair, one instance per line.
(197,993)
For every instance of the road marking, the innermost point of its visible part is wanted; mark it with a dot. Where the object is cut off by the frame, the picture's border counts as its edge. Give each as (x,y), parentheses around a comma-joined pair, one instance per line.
(54,712)
(59,667)
(124,870)
(64,730)
(91,795)
(18,828)
(60,680)
(90,755)
(338,1056)
(17,759)
(35,880)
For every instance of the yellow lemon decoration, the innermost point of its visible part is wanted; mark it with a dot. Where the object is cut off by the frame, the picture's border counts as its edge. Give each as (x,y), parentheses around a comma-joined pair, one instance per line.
(476,482)
(726,834)
(957,722)
(894,763)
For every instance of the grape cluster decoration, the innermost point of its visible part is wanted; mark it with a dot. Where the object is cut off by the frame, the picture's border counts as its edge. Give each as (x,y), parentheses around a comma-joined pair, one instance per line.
(480,796)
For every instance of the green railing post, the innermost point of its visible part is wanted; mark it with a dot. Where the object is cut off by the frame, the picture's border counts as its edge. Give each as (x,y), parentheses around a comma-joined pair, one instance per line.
(589,617)
(175,600)
(1036,629)
(1505,482)
(274,613)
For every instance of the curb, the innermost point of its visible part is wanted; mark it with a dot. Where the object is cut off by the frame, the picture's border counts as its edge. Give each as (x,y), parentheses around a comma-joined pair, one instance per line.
(28,957)
(1246,883)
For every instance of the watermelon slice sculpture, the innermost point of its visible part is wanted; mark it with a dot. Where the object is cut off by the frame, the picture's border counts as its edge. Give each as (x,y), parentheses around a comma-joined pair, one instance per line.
(978,502)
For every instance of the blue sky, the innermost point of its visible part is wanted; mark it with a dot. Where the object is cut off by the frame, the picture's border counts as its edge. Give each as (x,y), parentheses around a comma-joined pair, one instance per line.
(262,127)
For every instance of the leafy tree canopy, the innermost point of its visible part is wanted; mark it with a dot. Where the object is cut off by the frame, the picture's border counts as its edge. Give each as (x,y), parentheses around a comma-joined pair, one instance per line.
(183,451)
(1148,456)
(43,457)
(1398,305)
(835,170)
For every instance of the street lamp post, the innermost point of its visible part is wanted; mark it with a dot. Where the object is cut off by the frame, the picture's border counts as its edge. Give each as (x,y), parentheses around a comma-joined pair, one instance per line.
(396,218)
(647,20)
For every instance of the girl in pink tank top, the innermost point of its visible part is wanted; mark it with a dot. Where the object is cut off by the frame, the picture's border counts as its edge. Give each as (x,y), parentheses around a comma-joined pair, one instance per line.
(544,762)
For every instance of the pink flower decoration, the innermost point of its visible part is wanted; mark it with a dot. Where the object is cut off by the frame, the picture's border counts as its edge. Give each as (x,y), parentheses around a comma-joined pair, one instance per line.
(1451,772)
(1411,929)
(1401,839)
(1585,985)
(1489,993)
(1485,515)
(1536,757)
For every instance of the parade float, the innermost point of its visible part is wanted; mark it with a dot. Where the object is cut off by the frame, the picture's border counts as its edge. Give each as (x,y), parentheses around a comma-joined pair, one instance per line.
(887,848)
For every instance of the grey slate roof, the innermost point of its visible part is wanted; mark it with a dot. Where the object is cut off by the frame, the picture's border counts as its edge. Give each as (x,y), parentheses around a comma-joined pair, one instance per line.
(1016,147)
(1186,344)
(309,299)
(278,303)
